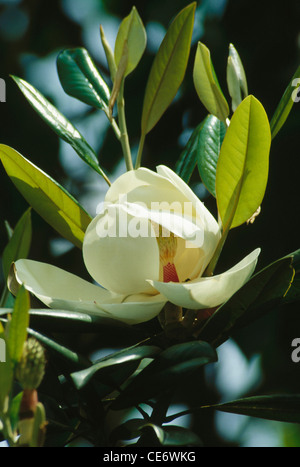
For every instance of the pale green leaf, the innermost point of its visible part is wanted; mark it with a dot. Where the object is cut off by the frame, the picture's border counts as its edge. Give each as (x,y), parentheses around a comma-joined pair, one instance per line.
(243,165)
(47,197)
(18,325)
(132,35)
(168,68)
(207,86)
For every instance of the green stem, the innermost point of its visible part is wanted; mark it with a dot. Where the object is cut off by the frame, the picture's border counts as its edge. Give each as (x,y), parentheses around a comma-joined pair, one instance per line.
(123,128)
(211,267)
(140,151)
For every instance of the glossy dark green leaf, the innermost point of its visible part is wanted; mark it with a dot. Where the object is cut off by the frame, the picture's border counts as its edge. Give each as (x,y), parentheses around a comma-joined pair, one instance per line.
(209,145)
(18,325)
(265,290)
(60,124)
(50,200)
(283,408)
(124,356)
(188,159)
(168,68)
(74,359)
(80,78)
(166,372)
(286,103)
(19,243)
(64,321)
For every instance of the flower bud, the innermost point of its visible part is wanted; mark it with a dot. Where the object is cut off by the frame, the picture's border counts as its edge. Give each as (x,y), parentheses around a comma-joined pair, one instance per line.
(31,368)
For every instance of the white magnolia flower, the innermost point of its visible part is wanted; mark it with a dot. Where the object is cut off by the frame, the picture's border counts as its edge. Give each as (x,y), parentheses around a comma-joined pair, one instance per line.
(150,244)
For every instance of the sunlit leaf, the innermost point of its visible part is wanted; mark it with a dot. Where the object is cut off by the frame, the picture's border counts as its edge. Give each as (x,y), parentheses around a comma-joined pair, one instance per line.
(80,78)
(47,197)
(207,86)
(18,325)
(243,165)
(19,243)
(209,145)
(60,124)
(168,68)
(133,33)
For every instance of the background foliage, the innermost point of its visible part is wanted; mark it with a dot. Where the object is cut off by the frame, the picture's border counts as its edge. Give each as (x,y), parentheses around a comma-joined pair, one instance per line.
(267,38)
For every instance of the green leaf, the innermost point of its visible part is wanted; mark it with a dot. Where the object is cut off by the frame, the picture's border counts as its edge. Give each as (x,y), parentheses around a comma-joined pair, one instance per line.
(209,146)
(283,408)
(60,125)
(168,68)
(52,202)
(188,159)
(17,330)
(174,436)
(124,356)
(133,34)
(265,290)
(80,78)
(74,359)
(19,243)
(6,373)
(236,78)
(165,373)
(286,103)
(14,410)
(243,165)
(207,86)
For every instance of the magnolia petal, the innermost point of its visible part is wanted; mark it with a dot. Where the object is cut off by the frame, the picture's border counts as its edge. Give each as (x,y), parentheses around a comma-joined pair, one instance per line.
(145,186)
(118,255)
(181,186)
(208,292)
(136,309)
(59,289)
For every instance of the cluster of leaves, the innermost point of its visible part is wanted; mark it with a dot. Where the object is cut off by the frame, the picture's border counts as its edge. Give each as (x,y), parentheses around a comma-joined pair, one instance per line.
(232,156)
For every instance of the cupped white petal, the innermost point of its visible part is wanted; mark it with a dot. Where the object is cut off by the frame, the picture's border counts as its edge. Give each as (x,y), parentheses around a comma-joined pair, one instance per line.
(208,292)
(120,252)
(136,309)
(59,289)
(186,191)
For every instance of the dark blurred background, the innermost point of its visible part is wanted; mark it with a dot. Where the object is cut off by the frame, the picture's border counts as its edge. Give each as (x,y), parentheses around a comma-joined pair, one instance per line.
(267,37)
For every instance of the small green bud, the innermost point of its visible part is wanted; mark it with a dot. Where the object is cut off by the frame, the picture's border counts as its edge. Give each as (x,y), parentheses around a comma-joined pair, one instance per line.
(31,368)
